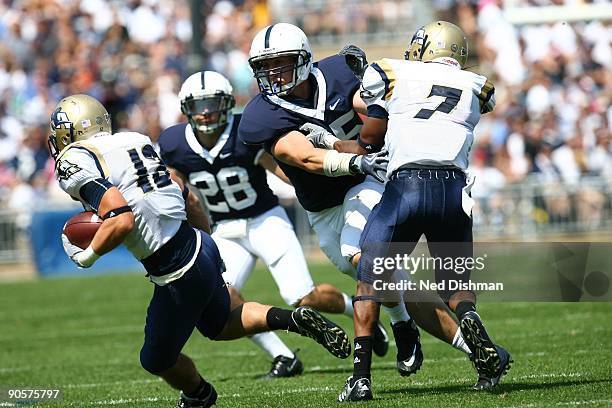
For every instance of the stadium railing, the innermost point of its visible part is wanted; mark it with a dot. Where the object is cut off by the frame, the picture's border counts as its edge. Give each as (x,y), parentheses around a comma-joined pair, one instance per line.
(532,209)
(524,211)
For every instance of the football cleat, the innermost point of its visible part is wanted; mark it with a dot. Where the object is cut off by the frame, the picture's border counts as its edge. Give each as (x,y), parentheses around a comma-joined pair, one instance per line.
(408,333)
(361,390)
(491,361)
(284,367)
(208,401)
(380,341)
(486,383)
(325,332)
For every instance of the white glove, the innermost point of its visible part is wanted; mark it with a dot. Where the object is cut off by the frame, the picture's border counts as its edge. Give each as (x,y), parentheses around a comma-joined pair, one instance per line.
(319,136)
(84,258)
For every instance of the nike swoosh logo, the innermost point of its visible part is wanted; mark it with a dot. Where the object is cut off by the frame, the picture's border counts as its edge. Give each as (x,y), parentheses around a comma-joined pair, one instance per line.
(223,156)
(333,106)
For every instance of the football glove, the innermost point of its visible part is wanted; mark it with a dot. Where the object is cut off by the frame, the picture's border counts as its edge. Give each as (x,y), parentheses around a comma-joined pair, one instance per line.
(373,164)
(355,59)
(83,258)
(319,136)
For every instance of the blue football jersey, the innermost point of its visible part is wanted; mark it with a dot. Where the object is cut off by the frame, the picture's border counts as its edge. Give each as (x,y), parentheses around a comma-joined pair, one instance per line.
(227,175)
(266,118)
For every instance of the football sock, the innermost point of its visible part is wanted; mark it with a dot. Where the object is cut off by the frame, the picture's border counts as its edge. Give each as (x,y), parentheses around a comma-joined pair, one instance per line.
(459,342)
(362,358)
(405,337)
(463,307)
(272,344)
(348,305)
(201,392)
(397,313)
(280,319)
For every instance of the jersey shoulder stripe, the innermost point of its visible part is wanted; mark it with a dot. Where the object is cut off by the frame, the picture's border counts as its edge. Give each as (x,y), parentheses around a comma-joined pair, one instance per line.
(486,92)
(384,68)
(93,152)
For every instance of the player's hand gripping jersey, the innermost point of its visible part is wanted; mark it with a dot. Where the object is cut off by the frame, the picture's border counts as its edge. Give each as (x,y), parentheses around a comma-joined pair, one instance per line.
(128,161)
(432,110)
(233,185)
(266,118)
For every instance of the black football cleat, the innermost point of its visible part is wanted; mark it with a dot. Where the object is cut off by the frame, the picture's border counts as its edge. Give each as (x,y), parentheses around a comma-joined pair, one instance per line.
(491,361)
(325,332)
(486,383)
(208,401)
(408,334)
(283,367)
(380,341)
(361,390)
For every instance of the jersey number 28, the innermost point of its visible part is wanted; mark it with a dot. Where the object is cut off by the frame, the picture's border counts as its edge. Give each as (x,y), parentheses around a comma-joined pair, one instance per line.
(233,181)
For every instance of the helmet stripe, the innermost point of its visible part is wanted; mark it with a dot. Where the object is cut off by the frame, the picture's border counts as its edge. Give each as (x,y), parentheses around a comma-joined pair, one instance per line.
(202,79)
(267,39)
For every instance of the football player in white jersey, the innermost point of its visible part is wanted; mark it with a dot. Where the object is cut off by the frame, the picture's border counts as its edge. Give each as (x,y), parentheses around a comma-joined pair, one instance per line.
(231,177)
(299,95)
(423,110)
(121,178)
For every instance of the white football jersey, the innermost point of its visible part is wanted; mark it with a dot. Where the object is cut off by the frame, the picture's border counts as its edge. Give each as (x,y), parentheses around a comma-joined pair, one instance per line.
(432,110)
(128,161)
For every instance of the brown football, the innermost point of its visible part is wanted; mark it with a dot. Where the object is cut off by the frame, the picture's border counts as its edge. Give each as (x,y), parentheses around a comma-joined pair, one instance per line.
(81,228)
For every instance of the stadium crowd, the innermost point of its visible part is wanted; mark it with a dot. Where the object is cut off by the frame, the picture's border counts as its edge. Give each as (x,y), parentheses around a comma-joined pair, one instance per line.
(553,81)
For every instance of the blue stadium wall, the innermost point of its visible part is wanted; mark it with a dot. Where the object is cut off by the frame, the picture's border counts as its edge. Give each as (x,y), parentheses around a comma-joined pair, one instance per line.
(51,260)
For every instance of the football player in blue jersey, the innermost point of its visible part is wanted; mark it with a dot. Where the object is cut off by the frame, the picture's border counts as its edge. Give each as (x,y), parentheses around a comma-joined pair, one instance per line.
(121,178)
(231,177)
(296,96)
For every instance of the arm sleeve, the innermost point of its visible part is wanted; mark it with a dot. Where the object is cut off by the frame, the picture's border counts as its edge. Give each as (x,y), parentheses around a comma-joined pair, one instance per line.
(166,146)
(261,127)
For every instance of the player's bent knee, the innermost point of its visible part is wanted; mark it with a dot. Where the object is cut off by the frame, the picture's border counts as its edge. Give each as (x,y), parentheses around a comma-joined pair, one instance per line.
(156,363)
(236,298)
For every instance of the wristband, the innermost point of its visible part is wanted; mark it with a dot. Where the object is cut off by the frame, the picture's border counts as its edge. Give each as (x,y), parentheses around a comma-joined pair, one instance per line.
(337,164)
(87,257)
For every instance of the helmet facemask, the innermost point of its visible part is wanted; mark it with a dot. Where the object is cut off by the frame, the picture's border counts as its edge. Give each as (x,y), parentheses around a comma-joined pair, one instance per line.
(267,78)
(61,128)
(207,106)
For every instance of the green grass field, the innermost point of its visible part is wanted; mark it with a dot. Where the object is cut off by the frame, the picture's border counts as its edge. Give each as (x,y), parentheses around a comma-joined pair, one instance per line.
(83,336)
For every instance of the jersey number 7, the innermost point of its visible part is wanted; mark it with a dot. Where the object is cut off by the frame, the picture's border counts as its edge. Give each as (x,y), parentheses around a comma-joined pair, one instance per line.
(452,96)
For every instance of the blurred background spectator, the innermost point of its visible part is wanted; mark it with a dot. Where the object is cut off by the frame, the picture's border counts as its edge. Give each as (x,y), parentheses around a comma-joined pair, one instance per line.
(542,158)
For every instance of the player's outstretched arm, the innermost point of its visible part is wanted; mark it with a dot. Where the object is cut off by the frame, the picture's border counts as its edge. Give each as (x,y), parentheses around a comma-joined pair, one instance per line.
(196,215)
(295,150)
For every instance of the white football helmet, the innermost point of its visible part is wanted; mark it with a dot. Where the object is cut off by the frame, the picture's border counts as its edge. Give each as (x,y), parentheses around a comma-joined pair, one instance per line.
(280,40)
(207,92)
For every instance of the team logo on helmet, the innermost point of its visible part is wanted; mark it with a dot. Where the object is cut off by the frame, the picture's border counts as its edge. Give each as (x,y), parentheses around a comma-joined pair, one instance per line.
(60,119)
